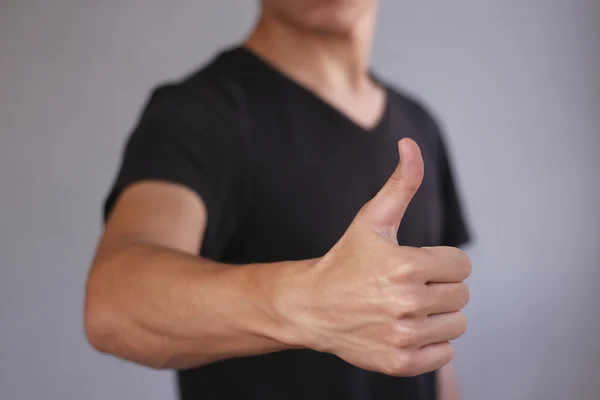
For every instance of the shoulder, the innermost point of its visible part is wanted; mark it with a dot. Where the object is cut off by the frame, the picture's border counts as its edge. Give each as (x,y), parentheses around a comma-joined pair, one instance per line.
(211,91)
(208,105)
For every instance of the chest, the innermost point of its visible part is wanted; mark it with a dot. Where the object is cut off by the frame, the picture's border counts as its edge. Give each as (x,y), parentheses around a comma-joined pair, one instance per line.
(309,185)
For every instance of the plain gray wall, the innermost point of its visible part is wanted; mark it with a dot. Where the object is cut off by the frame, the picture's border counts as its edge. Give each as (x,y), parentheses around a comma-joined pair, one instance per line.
(516,84)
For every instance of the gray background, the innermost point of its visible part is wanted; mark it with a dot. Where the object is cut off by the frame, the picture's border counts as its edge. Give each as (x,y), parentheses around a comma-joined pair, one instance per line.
(515,82)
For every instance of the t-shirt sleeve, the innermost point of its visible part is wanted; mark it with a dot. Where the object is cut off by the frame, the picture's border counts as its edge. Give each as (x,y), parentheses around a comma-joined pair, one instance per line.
(456,232)
(191,140)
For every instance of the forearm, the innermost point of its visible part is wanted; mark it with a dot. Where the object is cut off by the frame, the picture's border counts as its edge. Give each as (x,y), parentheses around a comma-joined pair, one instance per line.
(165,309)
(447,383)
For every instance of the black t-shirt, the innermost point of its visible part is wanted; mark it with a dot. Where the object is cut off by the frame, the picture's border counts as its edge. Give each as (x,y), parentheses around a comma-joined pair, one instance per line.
(282,174)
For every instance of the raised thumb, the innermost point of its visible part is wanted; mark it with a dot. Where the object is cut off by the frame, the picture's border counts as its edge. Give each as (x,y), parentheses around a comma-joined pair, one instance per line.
(387,208)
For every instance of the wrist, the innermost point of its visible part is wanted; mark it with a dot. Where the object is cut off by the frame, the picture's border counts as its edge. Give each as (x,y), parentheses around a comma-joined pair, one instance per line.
(279,289)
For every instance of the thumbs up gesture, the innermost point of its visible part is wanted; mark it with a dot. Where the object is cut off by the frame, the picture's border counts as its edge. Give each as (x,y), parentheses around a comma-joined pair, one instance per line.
(378,305)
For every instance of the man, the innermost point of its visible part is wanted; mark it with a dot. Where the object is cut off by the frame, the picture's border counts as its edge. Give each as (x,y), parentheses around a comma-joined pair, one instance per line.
(252,242)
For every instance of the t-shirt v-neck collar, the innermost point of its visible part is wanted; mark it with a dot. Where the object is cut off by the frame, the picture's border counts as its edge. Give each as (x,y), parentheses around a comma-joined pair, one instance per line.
(376,130)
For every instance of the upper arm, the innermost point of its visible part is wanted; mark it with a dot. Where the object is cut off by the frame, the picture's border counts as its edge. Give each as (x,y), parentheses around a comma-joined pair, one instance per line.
(179,180)
(456,231)
(156,213)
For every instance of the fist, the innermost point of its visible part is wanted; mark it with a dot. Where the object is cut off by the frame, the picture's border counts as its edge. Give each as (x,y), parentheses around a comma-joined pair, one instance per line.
(378,305)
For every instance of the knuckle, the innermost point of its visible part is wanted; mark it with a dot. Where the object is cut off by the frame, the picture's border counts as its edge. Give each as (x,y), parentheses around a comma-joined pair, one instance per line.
(465,295)
(464,263)
(410,271)
(390,303)
(467,269)
(410,305)
(398,182)
(400,364)
(449,349)
(458,259)
(462,324)
(405,335)
(404,301)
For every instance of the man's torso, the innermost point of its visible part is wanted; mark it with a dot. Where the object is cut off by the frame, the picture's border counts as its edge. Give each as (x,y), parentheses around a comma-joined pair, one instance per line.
(304,171)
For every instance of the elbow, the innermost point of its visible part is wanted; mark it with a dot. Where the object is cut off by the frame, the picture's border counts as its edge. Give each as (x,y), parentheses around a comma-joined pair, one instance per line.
(98,332)
(99,319)
(102,334)
(103,325)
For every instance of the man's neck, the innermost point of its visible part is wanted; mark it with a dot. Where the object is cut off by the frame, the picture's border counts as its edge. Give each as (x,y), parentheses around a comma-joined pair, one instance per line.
(321,61)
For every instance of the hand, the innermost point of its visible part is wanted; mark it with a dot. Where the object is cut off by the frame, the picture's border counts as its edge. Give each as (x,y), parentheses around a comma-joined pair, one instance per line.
(381,306)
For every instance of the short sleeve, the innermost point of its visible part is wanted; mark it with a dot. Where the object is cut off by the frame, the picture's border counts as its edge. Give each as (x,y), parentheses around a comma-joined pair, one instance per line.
(190,139)
(456,232)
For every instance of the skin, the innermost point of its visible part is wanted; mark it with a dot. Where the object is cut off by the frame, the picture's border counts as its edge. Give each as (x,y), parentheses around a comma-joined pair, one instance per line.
(151,300)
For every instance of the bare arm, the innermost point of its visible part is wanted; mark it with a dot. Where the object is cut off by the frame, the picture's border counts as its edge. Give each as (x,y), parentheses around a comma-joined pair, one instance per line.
(448,384)
(152,301)
(375,304)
